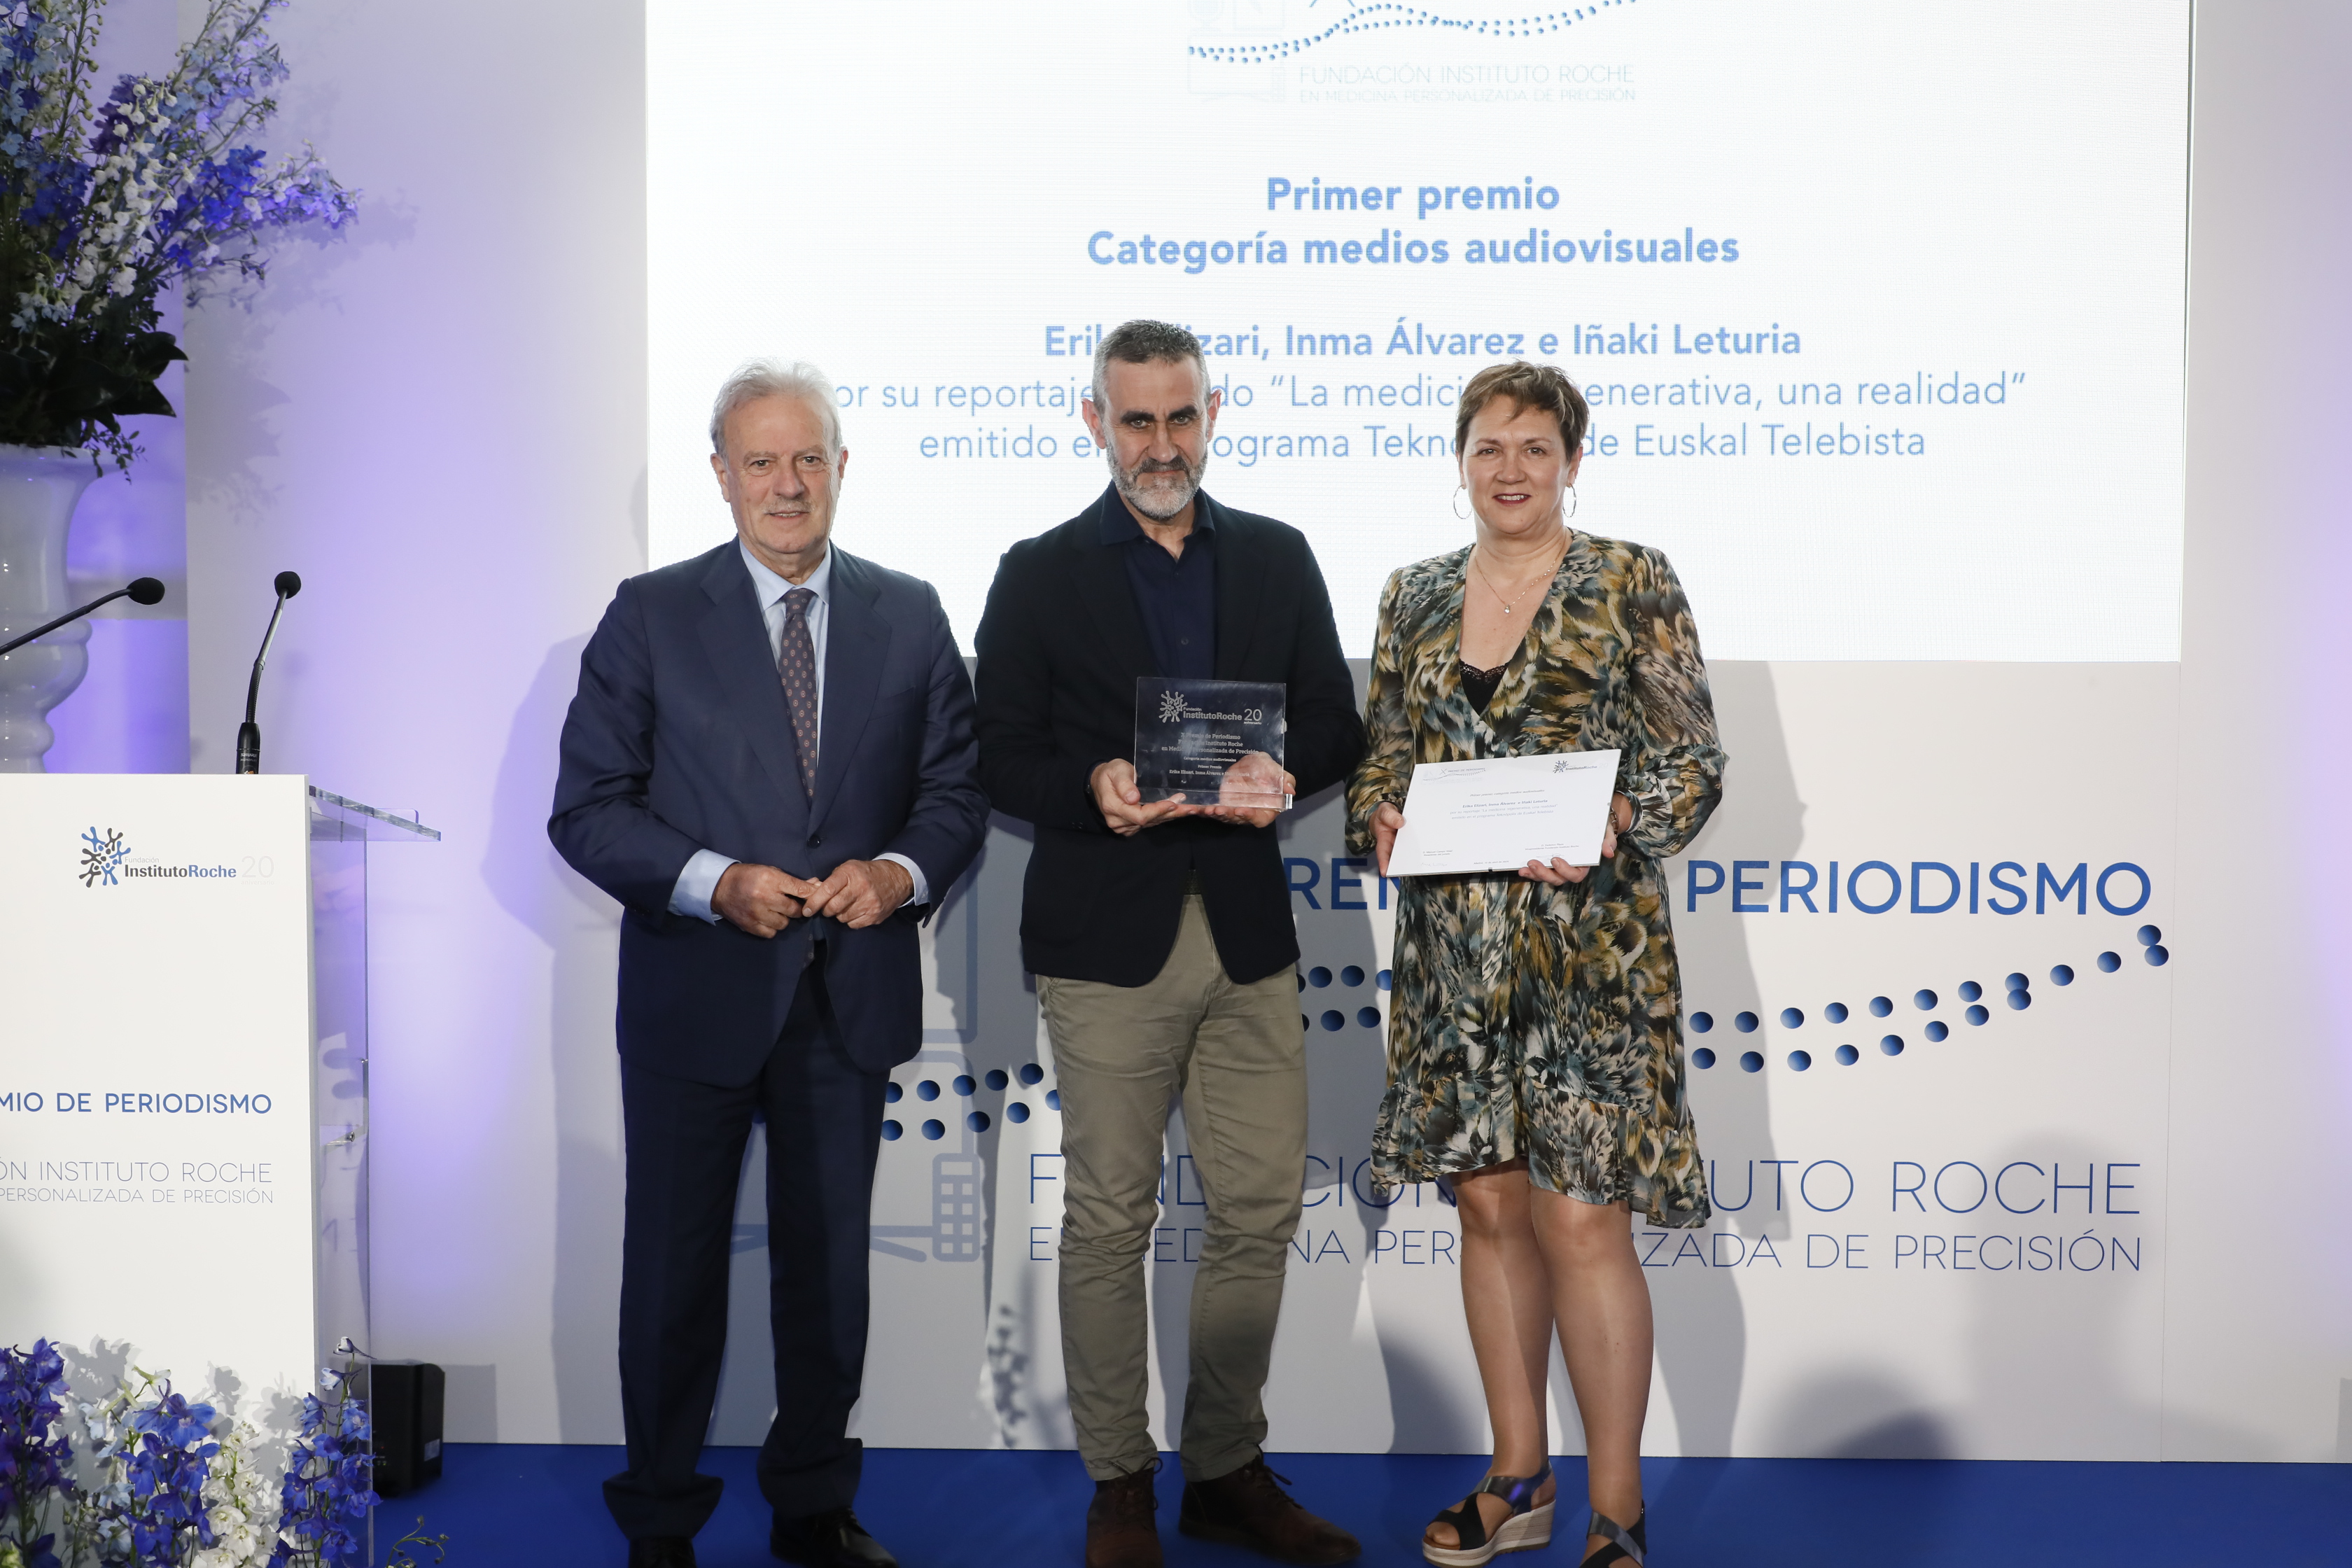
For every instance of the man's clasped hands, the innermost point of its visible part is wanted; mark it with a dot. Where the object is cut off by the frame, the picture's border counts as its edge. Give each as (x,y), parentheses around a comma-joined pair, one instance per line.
(763,900)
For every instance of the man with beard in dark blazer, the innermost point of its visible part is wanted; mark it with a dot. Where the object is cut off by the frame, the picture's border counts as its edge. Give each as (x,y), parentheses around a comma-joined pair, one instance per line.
(1160,934)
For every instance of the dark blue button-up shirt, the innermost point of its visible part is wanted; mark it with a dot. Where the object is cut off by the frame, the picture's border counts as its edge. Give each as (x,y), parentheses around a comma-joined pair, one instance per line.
(1176,594)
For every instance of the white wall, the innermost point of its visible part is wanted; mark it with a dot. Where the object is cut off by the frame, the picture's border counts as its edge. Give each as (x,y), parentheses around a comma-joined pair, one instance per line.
(440,423)
(2259,1309)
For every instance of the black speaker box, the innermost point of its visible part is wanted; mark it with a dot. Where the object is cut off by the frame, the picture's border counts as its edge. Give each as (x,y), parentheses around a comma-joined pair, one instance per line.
(403,1399)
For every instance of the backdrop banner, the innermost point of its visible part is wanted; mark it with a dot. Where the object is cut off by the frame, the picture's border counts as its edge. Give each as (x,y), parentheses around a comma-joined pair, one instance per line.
(1927,1006)
(1937,440)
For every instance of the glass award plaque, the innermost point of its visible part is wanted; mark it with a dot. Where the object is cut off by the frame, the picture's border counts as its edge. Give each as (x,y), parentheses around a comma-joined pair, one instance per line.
(1215,743)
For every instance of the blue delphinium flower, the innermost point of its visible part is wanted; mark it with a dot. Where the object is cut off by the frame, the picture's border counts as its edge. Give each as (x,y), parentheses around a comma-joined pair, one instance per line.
(152,1510)
(106,203)
(32,1450)
(326,1495)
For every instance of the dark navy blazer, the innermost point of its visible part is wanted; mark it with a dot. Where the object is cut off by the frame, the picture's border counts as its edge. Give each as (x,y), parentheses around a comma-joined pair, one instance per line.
(1061,647)
(679,740)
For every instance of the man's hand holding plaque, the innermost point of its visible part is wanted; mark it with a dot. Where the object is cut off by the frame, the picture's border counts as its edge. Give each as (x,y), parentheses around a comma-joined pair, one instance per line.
(1256,790)
(1209,748)
(1124,810)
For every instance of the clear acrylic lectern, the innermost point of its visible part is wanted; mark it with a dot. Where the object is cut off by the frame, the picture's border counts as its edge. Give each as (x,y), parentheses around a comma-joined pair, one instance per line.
(340,832)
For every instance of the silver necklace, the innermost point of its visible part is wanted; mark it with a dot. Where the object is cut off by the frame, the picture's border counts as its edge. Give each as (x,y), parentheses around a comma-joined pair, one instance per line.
(1511,606)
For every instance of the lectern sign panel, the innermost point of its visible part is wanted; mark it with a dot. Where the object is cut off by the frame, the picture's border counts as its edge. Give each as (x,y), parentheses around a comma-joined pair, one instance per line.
(155,1121)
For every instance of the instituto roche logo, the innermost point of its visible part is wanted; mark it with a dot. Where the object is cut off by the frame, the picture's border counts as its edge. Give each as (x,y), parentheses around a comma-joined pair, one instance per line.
(101,857)
(106,861)
(1172,706)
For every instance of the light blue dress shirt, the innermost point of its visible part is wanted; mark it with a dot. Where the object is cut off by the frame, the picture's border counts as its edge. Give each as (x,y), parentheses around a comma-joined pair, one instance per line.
(691,896)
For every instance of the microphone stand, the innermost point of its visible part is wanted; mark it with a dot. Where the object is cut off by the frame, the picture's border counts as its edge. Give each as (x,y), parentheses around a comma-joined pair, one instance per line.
(248,734)
(145,591)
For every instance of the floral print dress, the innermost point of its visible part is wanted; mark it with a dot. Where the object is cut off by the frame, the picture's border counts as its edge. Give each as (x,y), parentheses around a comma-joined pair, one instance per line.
(1529,1020)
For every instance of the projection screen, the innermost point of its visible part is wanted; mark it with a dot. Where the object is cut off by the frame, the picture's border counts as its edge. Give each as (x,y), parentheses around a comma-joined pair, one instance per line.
(1880,307)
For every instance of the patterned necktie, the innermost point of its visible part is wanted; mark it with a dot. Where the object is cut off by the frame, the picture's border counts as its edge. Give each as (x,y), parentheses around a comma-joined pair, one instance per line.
(796,664)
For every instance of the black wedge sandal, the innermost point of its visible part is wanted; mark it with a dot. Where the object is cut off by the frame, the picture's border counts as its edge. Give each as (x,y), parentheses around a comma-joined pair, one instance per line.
(1619,1544)
(1528,1526)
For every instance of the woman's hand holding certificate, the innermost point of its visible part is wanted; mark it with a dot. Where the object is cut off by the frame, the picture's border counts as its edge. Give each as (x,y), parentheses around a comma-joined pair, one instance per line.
(1540,815)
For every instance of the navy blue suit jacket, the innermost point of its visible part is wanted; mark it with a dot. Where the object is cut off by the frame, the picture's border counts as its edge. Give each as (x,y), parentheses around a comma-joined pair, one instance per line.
(679,740)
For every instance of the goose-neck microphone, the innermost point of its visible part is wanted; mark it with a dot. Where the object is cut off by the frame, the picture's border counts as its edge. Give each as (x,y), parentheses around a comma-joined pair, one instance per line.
(143,590)
(248,734)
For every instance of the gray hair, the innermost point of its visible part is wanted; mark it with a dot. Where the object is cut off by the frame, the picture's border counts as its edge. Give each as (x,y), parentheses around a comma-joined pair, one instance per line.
(759,378)
(1140,343)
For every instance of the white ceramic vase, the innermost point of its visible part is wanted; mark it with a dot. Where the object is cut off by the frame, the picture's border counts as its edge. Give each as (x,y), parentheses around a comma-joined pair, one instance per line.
(39,487)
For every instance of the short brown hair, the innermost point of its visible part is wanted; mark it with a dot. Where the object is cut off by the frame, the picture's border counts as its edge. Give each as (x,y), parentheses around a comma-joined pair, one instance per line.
(1530,386)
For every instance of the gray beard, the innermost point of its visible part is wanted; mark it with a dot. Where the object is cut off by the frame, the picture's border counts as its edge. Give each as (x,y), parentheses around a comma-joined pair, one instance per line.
(1148,503)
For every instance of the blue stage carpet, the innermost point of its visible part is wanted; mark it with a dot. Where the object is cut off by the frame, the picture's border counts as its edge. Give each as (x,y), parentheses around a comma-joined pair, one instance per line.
(538,1503)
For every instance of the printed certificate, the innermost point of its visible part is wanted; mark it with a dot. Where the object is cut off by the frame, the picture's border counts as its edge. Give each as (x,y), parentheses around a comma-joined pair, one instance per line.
(1499,813)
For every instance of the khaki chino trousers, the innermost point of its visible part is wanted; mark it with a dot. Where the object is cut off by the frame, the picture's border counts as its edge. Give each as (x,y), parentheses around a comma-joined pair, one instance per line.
(1121,1056)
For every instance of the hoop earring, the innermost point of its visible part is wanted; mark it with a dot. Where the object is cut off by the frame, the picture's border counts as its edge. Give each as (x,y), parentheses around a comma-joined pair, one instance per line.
(1459,492)
(1571,500)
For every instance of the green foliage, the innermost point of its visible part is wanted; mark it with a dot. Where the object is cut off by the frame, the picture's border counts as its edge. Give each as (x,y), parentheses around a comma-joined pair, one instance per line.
(400,1555)
(70,384)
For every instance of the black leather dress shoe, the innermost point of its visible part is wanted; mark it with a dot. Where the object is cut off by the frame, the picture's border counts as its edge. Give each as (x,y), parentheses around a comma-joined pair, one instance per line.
(830,1540)
(662,1552)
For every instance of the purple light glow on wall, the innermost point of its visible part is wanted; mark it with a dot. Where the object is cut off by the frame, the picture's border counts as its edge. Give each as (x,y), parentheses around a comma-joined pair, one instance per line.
(438,421)
(129,715)
(2262,1003)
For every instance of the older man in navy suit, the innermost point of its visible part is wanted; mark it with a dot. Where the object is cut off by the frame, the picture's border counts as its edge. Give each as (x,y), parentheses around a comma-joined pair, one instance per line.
(770,764)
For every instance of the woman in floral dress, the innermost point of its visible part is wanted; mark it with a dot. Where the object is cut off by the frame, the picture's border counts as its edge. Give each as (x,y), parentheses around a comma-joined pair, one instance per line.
(1535,1047)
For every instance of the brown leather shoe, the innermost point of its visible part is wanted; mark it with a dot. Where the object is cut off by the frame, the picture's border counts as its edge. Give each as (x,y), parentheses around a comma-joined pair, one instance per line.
(1120,1528)
(1249,1507)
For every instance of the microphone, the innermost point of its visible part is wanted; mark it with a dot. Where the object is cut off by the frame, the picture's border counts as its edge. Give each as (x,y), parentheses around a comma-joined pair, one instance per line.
(248,734)
(145,591)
